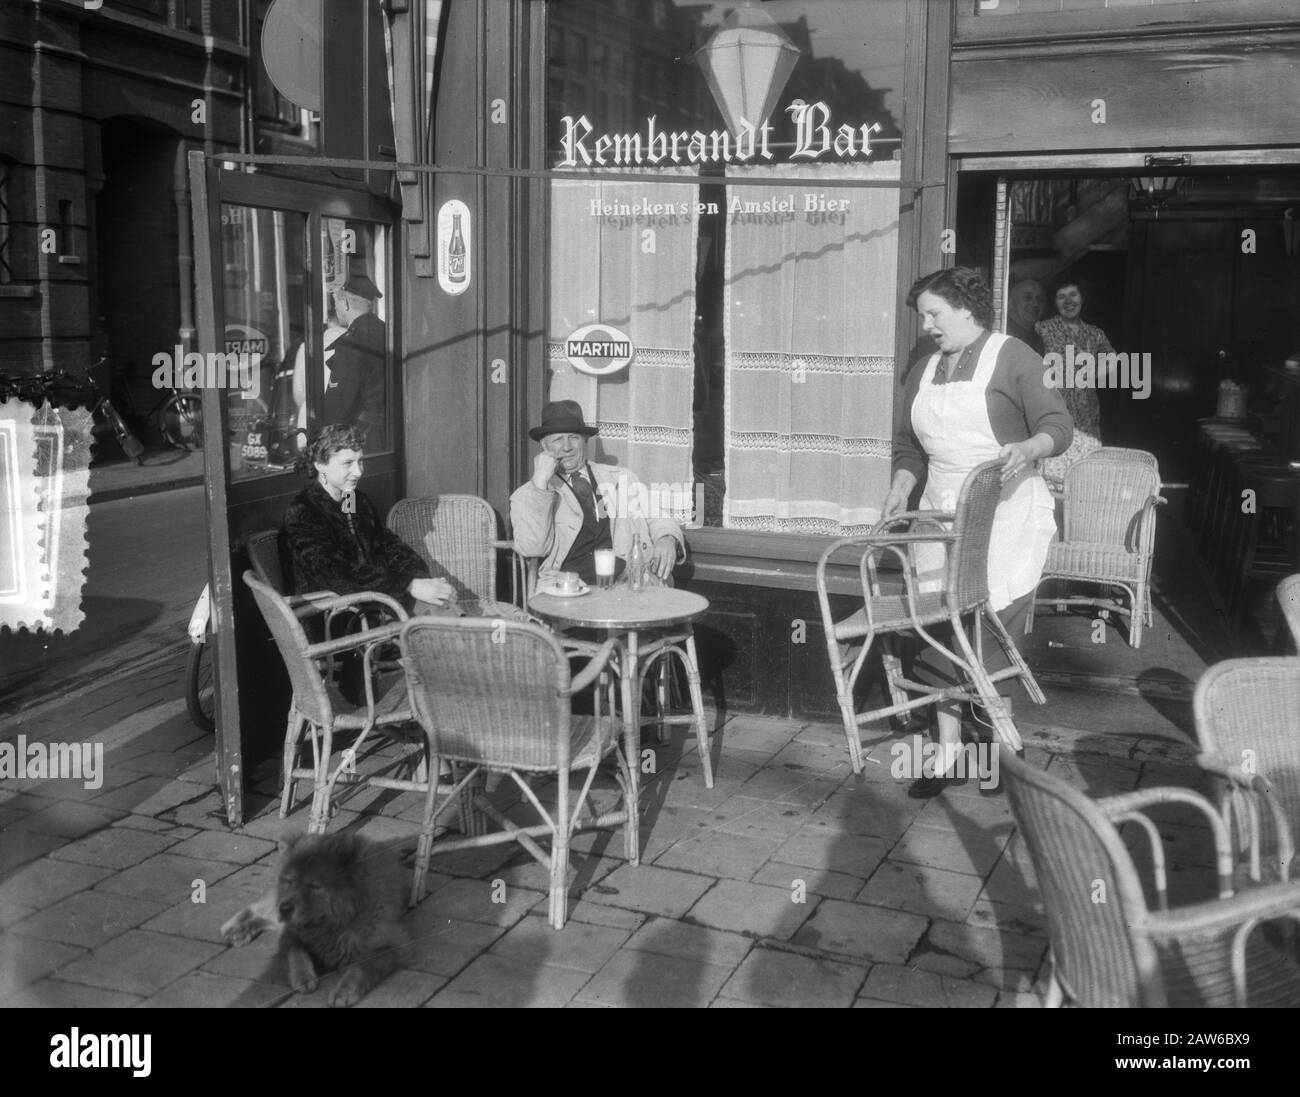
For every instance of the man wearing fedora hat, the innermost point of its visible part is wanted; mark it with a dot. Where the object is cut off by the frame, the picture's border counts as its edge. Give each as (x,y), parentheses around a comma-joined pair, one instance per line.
(571,507)
(355,393)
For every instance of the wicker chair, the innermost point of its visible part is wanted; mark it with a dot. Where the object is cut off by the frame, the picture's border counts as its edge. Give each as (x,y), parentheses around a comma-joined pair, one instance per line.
(495,697)
(1108,948)
(1248,723)
(1110,533)
(965,593)
(456,536)
(1288,599)
(320,715)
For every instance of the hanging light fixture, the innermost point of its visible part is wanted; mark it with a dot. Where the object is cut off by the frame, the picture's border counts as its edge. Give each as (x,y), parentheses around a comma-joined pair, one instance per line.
(746,63)
(1155,185)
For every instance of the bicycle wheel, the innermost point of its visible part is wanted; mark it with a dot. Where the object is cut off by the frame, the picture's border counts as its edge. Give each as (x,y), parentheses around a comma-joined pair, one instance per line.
(182,421)
(200,686)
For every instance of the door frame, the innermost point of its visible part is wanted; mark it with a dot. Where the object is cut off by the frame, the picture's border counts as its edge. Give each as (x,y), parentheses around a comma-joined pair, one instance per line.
(232,504)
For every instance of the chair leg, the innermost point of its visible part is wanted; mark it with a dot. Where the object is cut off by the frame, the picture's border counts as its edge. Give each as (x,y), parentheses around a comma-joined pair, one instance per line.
(1137,615)
(292,736)
(1031,685)
(560,854)
(848,716)
(1055,995)
(893,674)
(425,845)
(702,740)
(1003,726)
(661,696)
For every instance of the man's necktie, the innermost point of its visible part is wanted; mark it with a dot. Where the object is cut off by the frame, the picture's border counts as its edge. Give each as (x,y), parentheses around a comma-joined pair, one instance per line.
(582,489)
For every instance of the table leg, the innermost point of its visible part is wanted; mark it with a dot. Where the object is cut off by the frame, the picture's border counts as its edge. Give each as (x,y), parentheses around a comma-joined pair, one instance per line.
(632,741)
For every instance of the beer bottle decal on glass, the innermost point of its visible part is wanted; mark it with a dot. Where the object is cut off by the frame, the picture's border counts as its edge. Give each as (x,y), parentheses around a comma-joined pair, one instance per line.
(456,252)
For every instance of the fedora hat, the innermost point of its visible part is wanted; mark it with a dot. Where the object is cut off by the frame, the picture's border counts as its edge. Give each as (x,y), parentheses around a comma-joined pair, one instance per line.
(562,417)
(359,283)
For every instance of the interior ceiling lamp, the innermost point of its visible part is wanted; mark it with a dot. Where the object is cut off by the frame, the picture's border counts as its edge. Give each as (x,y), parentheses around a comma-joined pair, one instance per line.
(747,62)
(1158,188)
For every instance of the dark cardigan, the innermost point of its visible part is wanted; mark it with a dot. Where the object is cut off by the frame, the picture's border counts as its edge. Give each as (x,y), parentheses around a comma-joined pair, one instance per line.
(345,553)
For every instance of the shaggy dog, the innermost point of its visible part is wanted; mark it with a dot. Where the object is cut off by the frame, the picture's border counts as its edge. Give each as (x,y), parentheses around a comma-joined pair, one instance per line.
(337,901)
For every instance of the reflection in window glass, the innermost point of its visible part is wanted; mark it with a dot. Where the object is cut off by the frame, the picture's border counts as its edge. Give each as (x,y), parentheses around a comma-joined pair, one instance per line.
(263,258)
(267,345)
(774,300)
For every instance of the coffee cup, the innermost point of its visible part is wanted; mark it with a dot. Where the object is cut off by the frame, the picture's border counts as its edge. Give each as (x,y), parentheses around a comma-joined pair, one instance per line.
(568,582)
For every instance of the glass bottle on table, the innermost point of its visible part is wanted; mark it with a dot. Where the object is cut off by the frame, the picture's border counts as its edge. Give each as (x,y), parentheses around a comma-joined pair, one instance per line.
(636,566)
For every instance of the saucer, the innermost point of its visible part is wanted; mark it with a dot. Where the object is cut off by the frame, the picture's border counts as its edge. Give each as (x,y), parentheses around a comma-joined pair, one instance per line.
(555,592)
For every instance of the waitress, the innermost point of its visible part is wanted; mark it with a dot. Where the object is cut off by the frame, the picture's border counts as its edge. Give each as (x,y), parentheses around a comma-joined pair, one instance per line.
(980,397)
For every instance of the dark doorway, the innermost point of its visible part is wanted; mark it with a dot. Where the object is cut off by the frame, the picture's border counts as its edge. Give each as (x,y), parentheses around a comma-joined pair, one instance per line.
(1198,277)
(136,247)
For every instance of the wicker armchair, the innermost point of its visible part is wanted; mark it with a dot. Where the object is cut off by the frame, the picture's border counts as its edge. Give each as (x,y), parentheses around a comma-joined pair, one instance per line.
(495,697)
(1110,533)
(457,537)
(320,715)
(965,593)
(1248,723)
(1108,948)
(1288,600)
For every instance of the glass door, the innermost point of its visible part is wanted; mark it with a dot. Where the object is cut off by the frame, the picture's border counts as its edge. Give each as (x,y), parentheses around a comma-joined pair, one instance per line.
(296,307)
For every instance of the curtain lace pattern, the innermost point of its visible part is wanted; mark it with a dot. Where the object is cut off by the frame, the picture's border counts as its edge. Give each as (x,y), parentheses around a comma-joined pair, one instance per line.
(636,274)
(809,314)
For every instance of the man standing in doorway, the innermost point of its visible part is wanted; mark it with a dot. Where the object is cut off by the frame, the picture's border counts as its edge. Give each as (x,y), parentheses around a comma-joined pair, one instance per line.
(355,391)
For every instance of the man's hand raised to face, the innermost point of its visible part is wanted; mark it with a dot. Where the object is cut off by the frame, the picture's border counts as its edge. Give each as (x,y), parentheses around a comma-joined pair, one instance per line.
(544,466)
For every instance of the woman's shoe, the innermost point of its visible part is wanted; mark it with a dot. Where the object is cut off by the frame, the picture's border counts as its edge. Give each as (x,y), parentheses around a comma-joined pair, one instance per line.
(924,788)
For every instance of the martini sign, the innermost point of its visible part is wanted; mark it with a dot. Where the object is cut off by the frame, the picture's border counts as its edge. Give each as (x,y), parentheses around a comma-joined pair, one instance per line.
(599,349)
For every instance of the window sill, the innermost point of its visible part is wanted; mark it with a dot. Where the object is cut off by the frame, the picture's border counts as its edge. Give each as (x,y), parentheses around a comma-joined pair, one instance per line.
(786,561)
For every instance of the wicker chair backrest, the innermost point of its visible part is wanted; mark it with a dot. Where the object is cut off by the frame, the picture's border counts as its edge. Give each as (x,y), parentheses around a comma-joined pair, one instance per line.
(1248,713)
(968,562)
(264,555)
(309,692)
(1089,887)
(454,535)
(1104,496)
(490,691)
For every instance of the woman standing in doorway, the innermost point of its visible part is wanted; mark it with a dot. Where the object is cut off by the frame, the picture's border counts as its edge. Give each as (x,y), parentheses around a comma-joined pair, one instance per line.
(1060,333)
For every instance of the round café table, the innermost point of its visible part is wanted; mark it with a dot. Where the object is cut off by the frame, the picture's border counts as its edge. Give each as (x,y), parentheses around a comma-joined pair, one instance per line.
(621,612)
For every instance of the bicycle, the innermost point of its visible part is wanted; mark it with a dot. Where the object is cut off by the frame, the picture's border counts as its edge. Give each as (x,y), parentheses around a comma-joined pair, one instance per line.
(180,418)
(131,445)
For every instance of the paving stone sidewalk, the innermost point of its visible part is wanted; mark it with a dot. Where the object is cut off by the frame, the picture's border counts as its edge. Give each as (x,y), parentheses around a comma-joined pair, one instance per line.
(791,883)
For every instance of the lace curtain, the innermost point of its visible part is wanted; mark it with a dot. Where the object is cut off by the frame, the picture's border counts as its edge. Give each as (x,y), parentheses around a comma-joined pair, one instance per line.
(809,308)
(623,255)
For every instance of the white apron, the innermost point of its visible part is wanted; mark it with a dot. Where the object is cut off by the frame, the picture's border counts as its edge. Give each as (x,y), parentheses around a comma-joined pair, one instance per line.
(951,422)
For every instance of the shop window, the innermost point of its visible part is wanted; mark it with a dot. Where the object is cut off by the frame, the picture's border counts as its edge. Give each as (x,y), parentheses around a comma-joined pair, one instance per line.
(984,19)
(758,306)
(277,398)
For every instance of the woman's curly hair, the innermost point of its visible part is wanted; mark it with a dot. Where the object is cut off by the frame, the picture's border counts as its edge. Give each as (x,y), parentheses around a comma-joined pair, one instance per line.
(961,287)
(329,441)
